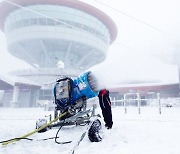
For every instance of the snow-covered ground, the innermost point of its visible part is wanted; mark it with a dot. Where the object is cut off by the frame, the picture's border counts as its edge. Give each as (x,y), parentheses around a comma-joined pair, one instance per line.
(132,133)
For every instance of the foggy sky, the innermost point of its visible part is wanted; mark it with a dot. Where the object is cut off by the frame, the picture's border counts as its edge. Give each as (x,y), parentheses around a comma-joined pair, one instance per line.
(144,49)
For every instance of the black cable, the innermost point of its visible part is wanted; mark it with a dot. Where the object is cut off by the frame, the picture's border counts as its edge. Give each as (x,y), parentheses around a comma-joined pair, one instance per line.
(58,137)
(16,139)
(30,139)
(46,139)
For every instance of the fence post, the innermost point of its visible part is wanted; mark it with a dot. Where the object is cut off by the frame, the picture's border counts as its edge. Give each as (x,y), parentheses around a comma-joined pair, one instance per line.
(139,103)
(159,101)
(125,109)
(114,100)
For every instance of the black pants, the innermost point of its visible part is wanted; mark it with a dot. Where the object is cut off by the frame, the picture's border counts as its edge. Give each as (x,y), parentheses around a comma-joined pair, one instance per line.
(105,104)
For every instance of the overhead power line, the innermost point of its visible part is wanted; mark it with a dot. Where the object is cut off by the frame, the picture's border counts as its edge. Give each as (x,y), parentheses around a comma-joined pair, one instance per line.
(134,18)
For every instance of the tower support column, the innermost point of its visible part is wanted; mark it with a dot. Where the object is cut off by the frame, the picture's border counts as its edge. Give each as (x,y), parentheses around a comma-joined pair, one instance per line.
(14,102)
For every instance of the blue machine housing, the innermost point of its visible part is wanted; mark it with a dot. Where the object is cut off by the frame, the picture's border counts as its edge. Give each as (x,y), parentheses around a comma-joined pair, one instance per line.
(80,88)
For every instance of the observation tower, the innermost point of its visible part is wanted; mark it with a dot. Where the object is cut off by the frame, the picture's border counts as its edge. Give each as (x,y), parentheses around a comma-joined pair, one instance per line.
(43,32)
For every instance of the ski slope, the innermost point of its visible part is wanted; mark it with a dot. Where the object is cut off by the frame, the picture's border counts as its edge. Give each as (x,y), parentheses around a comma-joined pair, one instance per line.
(132,133)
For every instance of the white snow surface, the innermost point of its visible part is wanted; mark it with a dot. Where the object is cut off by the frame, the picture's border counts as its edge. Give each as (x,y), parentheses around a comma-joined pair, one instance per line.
(132,133)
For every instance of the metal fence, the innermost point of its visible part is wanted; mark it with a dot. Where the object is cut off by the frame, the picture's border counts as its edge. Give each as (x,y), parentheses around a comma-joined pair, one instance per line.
(137,101)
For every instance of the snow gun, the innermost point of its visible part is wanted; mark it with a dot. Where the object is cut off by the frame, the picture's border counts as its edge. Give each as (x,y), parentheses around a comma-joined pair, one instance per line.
(73,93)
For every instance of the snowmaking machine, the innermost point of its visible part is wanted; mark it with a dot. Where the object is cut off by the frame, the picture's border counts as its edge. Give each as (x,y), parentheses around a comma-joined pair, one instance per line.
(70,97)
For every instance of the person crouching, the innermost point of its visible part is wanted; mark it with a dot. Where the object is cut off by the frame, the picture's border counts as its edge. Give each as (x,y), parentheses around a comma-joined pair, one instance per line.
(105,105)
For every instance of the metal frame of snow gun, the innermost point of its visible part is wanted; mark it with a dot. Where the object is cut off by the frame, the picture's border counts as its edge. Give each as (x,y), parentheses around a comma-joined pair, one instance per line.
(80,118)
(35,131)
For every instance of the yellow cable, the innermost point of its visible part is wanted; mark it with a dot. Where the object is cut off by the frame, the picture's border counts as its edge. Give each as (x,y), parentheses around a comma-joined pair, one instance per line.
(35,131)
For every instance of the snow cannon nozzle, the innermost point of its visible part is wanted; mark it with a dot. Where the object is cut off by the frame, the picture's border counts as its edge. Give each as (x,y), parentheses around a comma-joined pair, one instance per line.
(92,81)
